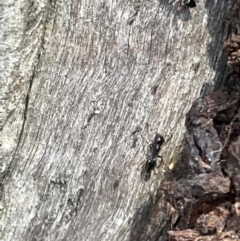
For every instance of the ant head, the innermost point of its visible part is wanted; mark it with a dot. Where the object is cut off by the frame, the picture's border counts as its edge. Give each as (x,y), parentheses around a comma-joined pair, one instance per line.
(190,3)
(159,140)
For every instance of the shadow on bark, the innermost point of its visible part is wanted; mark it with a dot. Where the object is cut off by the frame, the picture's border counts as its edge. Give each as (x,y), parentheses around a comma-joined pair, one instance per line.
(146,223)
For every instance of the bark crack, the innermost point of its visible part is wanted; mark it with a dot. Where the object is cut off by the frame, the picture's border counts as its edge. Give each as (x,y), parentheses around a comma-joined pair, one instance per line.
(41,52)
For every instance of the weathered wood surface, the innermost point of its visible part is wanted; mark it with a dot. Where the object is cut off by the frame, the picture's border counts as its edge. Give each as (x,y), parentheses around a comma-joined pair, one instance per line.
(84,84)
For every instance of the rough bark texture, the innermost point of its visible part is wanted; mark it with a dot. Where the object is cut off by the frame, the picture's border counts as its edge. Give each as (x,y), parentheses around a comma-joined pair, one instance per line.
(206,194)
(84,84)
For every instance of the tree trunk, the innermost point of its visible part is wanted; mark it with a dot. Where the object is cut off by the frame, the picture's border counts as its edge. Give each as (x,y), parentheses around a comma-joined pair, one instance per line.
(85,87)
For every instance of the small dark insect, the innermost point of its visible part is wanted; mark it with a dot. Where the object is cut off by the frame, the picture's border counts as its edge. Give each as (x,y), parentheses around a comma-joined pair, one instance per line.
(190,3)
(151,162)
(185,3)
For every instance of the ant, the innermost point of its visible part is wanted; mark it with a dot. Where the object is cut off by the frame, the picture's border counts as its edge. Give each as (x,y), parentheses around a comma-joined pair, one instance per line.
(186,3)
(189,3)
(151,162)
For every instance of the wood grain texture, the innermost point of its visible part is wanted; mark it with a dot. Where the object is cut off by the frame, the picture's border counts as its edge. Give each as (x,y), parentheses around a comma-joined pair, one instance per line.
(85,86)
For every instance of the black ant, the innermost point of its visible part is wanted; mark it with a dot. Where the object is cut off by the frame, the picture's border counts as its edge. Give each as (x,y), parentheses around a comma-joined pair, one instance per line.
(190,3)
(151,162)
(186,3)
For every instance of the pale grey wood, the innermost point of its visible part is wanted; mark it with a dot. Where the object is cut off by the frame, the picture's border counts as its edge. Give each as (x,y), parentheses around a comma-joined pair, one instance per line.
(78,78)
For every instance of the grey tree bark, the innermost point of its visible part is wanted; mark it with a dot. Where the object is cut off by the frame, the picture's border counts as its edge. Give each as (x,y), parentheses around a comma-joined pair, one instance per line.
(85,85)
